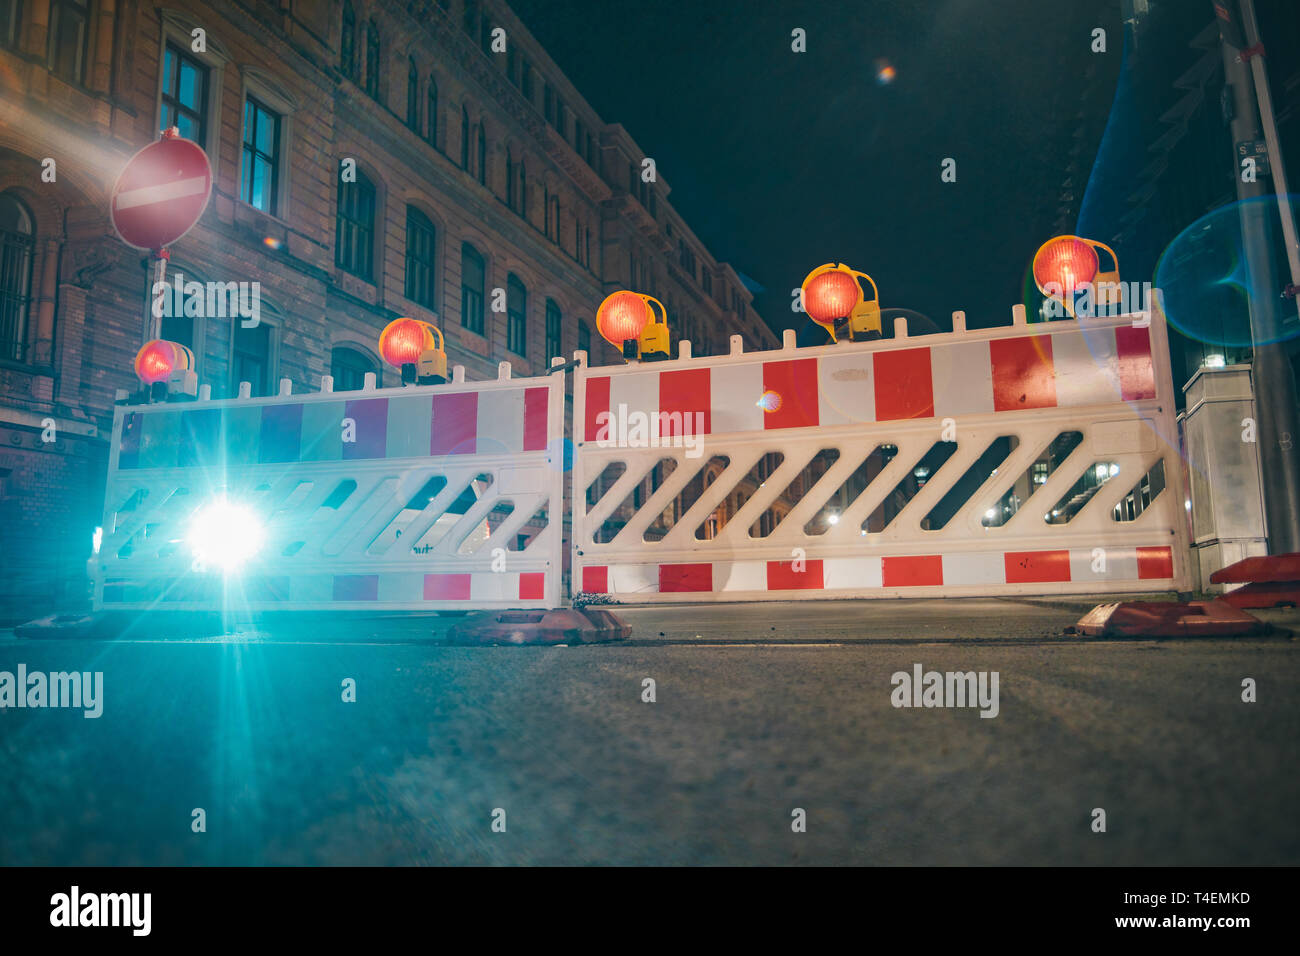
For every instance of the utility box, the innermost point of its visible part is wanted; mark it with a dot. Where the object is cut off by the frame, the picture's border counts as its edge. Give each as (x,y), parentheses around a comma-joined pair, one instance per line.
(1227,500)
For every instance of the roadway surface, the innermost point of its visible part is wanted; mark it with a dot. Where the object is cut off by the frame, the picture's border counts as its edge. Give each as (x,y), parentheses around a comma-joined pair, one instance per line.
(760,709)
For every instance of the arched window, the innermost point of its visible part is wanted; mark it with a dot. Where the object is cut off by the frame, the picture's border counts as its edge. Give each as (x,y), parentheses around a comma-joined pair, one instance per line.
(354,240)
(348,43)
(349,367)
(431,122)
(482,154)
(17,238)
(412,96)
(516,315)
(464,139)
(554,324)
(473,280)
(372,59)
(421,245)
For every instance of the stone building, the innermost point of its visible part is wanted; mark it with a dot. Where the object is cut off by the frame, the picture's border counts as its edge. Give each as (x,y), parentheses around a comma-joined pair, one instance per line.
(482,177)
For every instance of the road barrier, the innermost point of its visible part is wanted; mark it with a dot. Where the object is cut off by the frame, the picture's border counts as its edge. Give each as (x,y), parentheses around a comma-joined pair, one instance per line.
(424,497)
(1014,460)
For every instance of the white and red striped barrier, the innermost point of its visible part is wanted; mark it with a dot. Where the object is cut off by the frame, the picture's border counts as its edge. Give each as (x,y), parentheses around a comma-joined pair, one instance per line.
(1107,379)
(424,497)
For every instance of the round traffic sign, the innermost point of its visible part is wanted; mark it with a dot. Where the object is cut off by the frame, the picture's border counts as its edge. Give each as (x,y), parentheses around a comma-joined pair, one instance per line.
(161,193)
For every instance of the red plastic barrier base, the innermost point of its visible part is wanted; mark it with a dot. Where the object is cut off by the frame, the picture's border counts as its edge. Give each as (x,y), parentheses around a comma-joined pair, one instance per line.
(1166,619)
(564,626)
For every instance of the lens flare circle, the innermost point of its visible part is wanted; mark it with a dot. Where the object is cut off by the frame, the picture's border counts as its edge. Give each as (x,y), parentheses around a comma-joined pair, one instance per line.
(1204,279)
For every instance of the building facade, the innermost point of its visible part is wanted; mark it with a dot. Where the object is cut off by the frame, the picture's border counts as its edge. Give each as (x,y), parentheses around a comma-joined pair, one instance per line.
(370,160)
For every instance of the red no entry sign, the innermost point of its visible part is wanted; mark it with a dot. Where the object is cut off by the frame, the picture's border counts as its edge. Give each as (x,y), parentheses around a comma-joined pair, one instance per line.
(161,193)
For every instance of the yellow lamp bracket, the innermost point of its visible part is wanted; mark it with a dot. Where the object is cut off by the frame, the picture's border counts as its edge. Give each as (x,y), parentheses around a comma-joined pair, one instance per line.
(432,367)
(653,344)
(864,320)
(1105,285)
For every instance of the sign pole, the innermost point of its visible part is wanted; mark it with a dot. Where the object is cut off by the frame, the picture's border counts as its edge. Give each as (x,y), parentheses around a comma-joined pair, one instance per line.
(153,322)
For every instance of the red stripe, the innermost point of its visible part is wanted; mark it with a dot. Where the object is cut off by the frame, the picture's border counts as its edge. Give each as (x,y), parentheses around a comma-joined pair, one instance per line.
(536,402)
(532,586)
(781,576)
(795,381)
(454,426)
(674,578)
(1034,567)
(595,579)
(920,570)
(1137,376)
(904,384)
(356,587)
(1155,563)
(1023,373)
(597,402)
(686,391)
(446,587)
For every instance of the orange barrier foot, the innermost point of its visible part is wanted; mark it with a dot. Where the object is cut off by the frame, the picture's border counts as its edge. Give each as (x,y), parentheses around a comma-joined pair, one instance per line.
(1166,619)
(1270,581)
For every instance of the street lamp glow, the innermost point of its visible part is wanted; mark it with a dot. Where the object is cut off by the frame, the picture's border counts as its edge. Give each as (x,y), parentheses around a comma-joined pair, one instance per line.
(225,534)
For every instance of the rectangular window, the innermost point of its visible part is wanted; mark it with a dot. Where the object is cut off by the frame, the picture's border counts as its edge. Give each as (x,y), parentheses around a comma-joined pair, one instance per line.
(473,274)
(584,338)
(355,238)
(184,94)
(9,23)
(67,39)
(260,166)
(420,238)
(252,358)
(554,346)
(526,81)
(517,326)
(548,103)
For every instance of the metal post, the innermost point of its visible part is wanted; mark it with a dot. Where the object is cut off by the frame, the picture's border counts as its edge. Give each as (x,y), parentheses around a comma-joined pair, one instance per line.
(1275,390)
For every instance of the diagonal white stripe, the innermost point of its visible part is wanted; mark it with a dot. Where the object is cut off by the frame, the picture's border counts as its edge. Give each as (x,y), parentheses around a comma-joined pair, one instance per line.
(147,195)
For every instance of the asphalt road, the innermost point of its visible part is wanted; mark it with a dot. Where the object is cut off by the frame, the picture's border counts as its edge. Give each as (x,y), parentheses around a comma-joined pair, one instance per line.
(749,724)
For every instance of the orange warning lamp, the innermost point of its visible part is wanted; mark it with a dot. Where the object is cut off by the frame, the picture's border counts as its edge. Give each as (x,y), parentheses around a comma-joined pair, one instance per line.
(833,294)
(157,360)
(167,369)
(1064,264)
(626,321)
(415,347)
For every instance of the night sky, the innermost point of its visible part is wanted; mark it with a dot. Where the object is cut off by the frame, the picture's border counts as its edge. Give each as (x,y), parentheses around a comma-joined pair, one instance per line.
(780,161)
